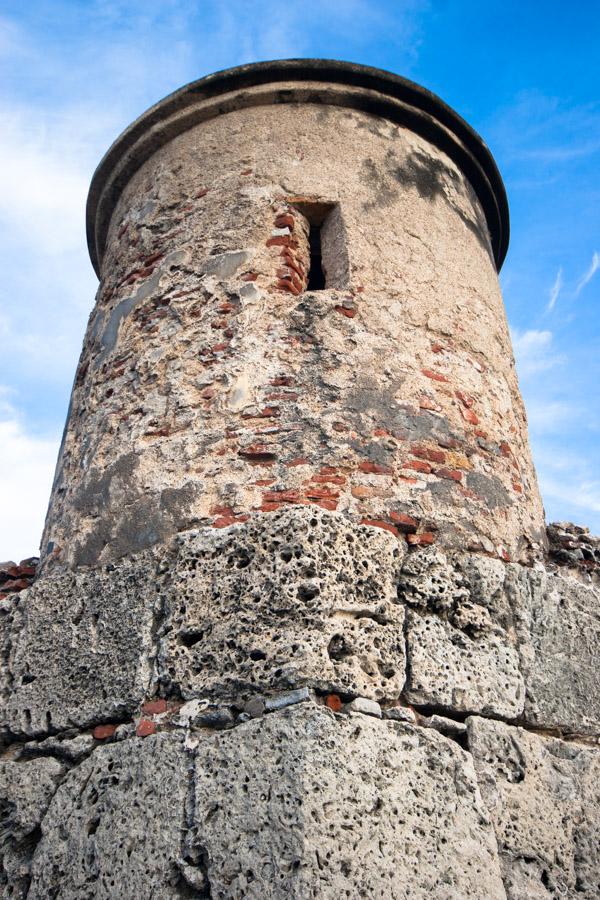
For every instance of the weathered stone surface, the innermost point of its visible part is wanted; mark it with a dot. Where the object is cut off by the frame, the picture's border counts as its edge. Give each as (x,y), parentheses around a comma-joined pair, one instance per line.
(558,624)
(79,648)
(301,803)
(298,597)
(26,788)
(460,646)
(116,825)
(543,795)
(209,401)
(448,668)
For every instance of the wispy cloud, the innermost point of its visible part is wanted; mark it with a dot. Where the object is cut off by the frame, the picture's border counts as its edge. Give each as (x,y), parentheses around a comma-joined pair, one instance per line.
(534,351)
(555,291)
(587,276)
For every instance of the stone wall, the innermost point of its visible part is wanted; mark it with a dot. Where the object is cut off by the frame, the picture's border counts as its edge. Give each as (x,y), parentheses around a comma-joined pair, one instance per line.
(301,706)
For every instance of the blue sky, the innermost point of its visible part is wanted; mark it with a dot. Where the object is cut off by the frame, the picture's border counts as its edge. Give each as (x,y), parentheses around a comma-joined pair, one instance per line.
(526,75)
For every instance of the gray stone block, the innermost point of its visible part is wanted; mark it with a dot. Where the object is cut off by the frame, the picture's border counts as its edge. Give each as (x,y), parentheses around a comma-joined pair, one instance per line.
(116,825)
(296,598)
(451,669)
(558,624)
(304,804)
(460,641)
(80,647)
(543,796)
(26,788)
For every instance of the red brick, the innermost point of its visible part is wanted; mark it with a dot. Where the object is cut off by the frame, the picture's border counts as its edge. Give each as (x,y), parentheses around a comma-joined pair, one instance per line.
(418,466)
(281,496)
(465,399)
(334,702)
(281,240)
(331,505)
(285,220)
(249,276)
(154,707)
(404,522)
(425,538)
(437,348)
(469,416)
(452,474)
(298,461)
(428,453)
(372,468)
(505,449)
(145,728)
(349,313)
(317,493)
(102,732)
(257,451)
(17,584)
(379,523)
(329,479)
(436,376)
(288,286)
(246,172)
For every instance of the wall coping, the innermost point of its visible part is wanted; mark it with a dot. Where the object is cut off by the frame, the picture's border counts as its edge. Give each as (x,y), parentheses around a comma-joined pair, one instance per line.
(326,81)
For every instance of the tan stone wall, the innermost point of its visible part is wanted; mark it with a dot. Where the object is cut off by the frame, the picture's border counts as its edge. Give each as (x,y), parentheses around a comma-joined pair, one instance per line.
(213,387)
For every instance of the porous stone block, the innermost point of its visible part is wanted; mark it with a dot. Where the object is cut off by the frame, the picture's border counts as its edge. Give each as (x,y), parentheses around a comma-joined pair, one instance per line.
(115,827)
(302,803)
(301,597)
(451,669)
(26,788)
(79,648)
(558,624)
(460,642)
(543,795)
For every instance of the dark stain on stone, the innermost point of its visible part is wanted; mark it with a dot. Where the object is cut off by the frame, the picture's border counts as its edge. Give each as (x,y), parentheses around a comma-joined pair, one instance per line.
(489,489)
(383,193)
(127,518)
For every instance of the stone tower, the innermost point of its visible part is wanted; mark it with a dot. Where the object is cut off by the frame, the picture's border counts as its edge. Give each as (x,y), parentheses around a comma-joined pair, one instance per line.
(295,633)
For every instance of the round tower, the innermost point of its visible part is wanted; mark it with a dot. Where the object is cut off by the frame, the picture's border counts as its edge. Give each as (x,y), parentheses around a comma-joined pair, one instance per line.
(299,305)
(294,636)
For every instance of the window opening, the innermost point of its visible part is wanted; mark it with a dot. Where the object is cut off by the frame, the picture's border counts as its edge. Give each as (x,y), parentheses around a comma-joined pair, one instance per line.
(316,276)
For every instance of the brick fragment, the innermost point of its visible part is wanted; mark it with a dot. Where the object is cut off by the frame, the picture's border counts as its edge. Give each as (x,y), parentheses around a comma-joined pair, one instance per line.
(435,376)
(451,474)
(469,416)
(103,732)
(465,399)
(418,465)
(334,702)
(145,728)
(428,453)
(349,313)
(372,468)
(380,523)
(155,707)
(404,522)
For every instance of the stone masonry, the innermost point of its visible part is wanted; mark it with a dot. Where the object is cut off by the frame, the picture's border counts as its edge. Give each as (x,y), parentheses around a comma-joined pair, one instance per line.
(298,628)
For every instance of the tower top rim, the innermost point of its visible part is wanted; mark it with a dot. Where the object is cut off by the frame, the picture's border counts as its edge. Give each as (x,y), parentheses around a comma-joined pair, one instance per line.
(334,82)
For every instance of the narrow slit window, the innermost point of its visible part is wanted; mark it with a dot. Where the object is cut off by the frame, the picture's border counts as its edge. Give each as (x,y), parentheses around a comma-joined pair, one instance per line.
(326,264)
(316,276)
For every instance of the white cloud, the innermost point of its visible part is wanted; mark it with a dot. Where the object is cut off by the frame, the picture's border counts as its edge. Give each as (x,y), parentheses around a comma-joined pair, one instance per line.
(555,291)
(26,470)
(534,351)
(587,276)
